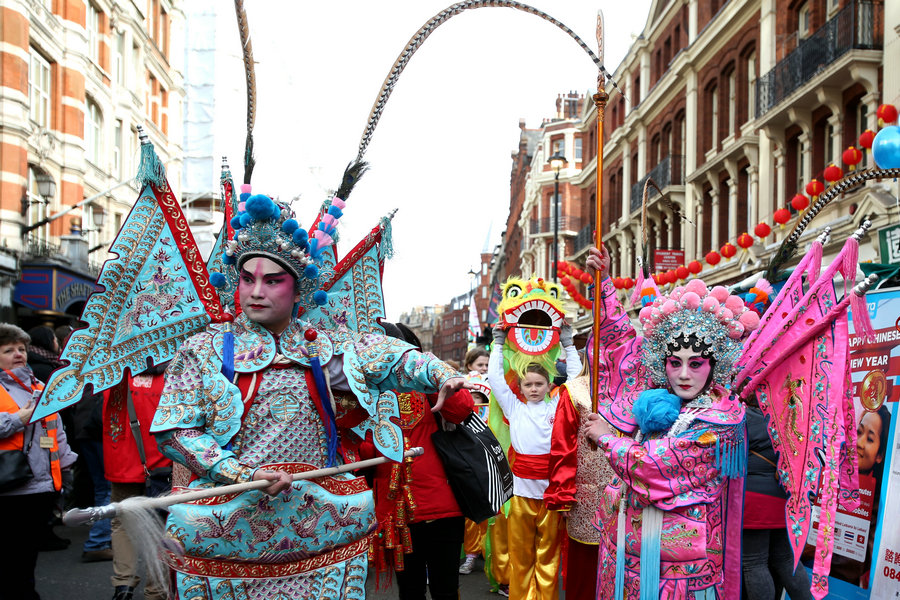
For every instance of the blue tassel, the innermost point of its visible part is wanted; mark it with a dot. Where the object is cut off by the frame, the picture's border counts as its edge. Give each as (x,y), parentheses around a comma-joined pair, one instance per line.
(331,425)
(387,239)
(228,354)
(620,552)
(150,168)
(650,550)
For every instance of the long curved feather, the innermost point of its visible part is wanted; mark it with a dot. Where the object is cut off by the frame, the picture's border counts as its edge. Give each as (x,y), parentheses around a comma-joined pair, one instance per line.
(247,49)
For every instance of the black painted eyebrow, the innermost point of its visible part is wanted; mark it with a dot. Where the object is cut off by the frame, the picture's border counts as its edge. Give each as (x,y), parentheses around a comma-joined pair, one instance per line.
(246,273)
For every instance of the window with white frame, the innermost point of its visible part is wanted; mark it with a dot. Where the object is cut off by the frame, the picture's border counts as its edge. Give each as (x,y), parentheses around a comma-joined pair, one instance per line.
(751,87)
(803,21)
(119,60)
(862,118)
(39,89)
(714,117)
(93,122)
(829,144)
(92,27)
(556,147)
(732,102)
(117,150)
(578,148)
(37,209)
(801,165)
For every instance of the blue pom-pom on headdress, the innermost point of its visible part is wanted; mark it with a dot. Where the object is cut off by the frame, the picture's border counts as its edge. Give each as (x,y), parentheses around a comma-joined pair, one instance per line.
(300,236)
(290,226)
(276,212)
(244,219)
(656,410)
(229,259)
(217,280)
(261,207)
(320,297)
(236,221)
(311,271)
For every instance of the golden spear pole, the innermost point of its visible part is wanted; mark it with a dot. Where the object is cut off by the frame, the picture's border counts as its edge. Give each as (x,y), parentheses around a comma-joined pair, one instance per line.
(600,99)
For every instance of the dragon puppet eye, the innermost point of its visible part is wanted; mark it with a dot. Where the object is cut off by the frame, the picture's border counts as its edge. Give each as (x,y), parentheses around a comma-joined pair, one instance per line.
(553,292)
(513,291)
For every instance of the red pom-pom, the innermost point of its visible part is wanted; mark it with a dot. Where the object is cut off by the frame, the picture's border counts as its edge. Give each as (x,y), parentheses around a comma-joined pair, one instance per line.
(799,202)
(728,250)
(310,335)
(713,258)
(833,173)
(815,187)
(762,230)
(887,113)
(782,216)
(226,318)
(694,266)
(682,272)
(866,138)
(745,240)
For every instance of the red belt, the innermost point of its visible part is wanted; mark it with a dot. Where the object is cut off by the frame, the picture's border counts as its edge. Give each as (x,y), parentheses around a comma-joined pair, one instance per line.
(531,466)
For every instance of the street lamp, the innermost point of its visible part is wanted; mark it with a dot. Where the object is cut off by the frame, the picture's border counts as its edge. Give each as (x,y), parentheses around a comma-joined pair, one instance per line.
(557,162)
(46,186)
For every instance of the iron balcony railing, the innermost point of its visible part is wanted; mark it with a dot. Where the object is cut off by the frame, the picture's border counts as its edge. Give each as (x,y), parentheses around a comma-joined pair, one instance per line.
(854,27)
(584,238)
(669,171)
(545,225)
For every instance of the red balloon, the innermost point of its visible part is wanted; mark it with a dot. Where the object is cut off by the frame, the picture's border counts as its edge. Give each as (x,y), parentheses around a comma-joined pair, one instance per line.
(762,230)
(887,113)
(815,187)
(682,272)
(866,138)
(728,250)
(782,216)
(713,258)
(695,267)
(799,202)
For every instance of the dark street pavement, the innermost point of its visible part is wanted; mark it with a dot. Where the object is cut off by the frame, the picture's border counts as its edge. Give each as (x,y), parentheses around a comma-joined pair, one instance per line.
(62,576)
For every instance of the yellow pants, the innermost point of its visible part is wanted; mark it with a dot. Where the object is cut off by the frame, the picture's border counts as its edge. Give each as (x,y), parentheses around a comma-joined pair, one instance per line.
(473,543)
(499,549)
(533,550)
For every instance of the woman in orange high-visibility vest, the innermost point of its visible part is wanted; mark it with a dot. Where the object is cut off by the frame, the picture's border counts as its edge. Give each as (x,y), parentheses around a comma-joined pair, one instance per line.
(26,507)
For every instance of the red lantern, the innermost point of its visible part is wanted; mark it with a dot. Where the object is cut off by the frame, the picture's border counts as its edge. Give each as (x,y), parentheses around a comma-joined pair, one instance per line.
(851,156)
(799,202)
(762,230)
(814,188)
(682,272)
(617,283)
(782,216)
(728,250)
(657,279)
(565,281)
(671,276)
(713,258)
(833,173)
(695,267)
(745,240)
(866,138)
(628,283)
(586,278)
(887,113)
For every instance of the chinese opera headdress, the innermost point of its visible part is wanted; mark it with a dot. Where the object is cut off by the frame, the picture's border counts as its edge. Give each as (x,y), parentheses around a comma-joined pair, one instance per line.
(711,321)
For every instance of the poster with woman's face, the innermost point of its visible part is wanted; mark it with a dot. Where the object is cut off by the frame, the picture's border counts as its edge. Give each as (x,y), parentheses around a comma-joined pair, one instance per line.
(875,371)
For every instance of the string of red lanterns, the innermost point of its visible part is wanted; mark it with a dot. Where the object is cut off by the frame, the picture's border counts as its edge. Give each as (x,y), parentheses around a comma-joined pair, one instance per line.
(887,113)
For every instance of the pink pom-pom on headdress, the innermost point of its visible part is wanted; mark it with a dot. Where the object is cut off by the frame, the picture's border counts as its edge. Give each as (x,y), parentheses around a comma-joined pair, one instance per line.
(720,293)
(697,286)
(750,320)
(691,300)
(734,304)
(710,304)
(668,307)
(246,188)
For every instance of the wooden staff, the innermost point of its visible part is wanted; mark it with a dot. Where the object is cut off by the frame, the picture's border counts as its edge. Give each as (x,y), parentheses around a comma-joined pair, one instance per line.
(83,516)
(600,99)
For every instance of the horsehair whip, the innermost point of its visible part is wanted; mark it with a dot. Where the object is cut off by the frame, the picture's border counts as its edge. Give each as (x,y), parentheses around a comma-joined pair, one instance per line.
(84,516)
(428,28)
(247,50)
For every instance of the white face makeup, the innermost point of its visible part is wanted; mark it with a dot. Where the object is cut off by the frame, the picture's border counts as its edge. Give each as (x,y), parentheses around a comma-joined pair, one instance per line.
(687,372)
(267,293)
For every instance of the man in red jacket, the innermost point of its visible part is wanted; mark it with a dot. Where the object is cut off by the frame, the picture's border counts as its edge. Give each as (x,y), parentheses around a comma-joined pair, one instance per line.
(420,524)
(134,466)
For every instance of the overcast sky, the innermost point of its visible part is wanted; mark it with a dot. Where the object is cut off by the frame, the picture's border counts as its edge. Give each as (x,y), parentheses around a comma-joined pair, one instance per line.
(441,153)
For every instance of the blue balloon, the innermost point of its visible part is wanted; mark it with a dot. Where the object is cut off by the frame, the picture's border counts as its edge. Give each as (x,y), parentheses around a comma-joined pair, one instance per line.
(886,148)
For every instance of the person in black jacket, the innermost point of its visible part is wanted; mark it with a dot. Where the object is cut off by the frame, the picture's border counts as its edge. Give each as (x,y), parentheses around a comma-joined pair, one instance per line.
(767,557)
